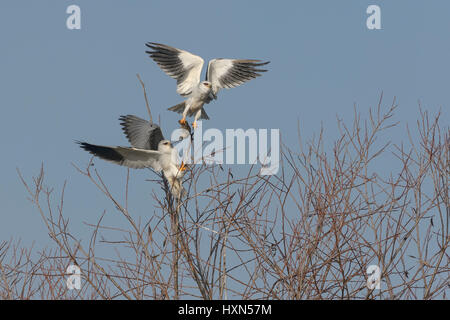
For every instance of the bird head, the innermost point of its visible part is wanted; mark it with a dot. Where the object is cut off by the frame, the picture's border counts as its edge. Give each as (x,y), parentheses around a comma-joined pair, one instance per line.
(165,146)
(205,86)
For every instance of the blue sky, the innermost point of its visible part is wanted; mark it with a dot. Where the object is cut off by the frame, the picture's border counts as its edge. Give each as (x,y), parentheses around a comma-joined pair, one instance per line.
(59,85)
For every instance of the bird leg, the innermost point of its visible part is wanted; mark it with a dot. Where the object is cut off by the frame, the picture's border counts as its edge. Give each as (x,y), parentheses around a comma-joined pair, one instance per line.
(197,116)
(183,166)
(185,112)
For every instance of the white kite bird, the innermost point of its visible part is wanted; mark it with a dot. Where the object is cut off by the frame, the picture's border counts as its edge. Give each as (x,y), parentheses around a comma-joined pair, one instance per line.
(186,68)
(149,150)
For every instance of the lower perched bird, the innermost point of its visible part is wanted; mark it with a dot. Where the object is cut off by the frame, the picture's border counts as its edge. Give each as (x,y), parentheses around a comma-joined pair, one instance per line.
(149,150)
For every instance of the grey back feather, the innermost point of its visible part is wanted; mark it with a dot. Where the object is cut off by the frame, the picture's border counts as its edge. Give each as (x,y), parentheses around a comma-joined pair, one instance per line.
(141,133)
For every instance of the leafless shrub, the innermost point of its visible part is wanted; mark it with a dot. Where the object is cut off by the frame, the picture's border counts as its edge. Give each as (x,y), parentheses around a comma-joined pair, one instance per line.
(309,232)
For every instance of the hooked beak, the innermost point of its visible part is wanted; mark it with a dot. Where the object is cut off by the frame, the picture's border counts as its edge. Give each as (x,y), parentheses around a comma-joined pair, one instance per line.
(212,95)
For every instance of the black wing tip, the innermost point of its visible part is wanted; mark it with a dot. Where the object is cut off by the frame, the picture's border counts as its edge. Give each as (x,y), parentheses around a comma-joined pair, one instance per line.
(103,152)
(124,122)
(85,145)
(157,47)
(82,144)
(127,116)
(153,45)
(252,64)
(150,43)
(253,61)
(125,119)
(263,64)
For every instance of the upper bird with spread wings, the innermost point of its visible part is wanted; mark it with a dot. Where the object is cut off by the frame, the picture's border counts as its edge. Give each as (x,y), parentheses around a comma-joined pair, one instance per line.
(186,68)
(149,150)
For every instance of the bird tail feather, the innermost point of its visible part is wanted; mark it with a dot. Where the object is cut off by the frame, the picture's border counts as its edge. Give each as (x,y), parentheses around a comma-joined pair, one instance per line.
(179,108)
(204,115)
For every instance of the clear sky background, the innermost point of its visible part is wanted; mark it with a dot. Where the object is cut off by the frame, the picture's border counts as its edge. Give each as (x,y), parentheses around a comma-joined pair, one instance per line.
(59,85)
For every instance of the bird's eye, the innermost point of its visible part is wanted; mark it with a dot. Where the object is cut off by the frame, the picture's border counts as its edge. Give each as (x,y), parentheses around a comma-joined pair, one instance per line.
(206,84)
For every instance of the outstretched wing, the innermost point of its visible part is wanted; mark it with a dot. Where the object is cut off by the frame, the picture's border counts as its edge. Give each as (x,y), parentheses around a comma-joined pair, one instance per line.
(181,65)
(230,73)
(128,157)
(141,133)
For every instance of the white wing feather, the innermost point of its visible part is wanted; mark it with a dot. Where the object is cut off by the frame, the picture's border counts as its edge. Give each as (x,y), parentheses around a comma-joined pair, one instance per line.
(140,158)
(181,65)
(125,156)
(230,73)
(193,65)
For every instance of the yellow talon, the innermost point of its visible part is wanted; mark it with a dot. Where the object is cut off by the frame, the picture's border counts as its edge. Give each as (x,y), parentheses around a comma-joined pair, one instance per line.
(182,121)
(182,167)
(194,125)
